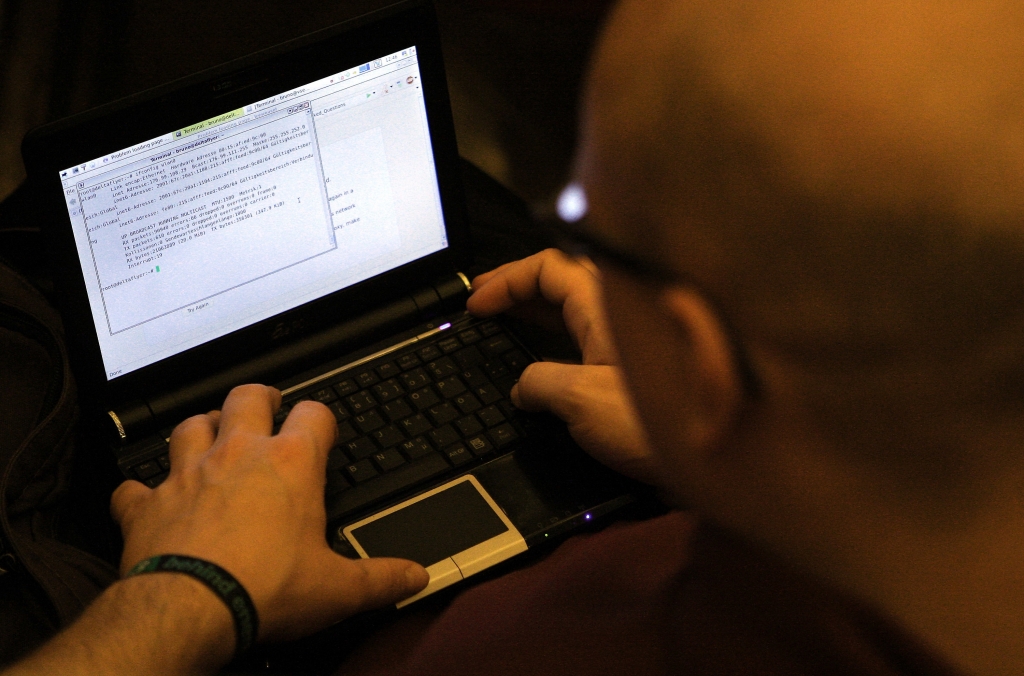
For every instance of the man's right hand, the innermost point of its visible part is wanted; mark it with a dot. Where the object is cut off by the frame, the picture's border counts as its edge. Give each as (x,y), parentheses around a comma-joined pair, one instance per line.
(252,502)
(590,397)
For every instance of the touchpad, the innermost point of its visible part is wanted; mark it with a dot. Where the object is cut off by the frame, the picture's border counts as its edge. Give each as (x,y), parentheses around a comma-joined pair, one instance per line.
(433,528)
(454,531)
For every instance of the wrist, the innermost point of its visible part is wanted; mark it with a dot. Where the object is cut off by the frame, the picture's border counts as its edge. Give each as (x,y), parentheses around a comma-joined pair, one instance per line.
(189,625)
(223,585)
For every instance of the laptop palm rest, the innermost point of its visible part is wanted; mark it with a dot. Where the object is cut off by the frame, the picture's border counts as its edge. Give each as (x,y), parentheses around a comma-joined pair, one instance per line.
(455,530)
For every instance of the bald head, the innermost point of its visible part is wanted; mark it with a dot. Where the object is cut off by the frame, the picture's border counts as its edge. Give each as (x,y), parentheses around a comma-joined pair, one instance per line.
(845,96)
(846,179)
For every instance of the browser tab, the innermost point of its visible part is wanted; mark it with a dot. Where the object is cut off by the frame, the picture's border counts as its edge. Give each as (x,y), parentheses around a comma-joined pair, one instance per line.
(206,124)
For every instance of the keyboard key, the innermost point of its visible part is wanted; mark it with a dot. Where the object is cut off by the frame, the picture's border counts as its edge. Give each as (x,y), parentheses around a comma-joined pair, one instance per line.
(527,423)
(422,399)
(429,353)
(467,403)
(488,393)
(388,460)
(416,448)
(450,386)
(360,448)
(496,345)
(360,471)
(504,385)
(147,469)
(468,426)
(458,455)
(155,481)
(397,409)
(361,402)
(444,436)
(164,462)
(389,370)
(386,437)
(449,345)
(479,445)
(388,390)
(470,336)
(324,396)
(338,409)
(346,433)
(416,425)
(491,416)
(346,387)
(469,357)
(337,459)
(503,435)
(474,377)
(336,482)
(368,422)
(408,361)
(366,378)
(405,476)
(415,379)
(489,328)
(516,361)
(442,368)
(282,414)
(442,413)
(508,408)
(495,370)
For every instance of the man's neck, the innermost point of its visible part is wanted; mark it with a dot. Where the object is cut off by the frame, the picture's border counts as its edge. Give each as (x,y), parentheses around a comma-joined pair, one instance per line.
(960,586)
(956,583)
(951,577)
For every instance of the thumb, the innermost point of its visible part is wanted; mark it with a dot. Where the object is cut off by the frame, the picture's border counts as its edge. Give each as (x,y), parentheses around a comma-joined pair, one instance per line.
(550,386)
(595,404)
(331,588)
(372,583)
(124,497)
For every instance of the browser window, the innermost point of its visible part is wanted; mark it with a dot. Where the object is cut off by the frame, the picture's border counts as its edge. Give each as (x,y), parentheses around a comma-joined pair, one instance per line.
(208,229)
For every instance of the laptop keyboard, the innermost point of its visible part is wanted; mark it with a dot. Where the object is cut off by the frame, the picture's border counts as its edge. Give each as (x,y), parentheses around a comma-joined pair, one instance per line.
(432,410)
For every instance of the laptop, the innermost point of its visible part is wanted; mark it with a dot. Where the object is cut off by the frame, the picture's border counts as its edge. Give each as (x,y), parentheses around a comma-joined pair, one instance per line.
(296,218)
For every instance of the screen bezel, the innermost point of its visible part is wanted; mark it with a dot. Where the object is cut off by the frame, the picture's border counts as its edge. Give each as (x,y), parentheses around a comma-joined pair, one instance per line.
(121,124)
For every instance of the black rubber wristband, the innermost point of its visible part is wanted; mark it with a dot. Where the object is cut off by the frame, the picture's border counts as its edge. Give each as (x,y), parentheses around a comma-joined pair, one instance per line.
(221,582)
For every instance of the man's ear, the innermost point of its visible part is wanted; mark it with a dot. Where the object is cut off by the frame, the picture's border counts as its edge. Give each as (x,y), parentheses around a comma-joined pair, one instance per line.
(713,367)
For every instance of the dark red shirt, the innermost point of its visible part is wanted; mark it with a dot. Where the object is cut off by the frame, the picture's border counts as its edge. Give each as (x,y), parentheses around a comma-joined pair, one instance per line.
(653,597)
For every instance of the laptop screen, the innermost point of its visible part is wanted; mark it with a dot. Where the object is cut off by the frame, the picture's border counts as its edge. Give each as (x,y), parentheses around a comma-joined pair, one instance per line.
(208,229)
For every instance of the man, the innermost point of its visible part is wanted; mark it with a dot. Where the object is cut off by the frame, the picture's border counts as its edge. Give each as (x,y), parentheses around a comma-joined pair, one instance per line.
(806,219)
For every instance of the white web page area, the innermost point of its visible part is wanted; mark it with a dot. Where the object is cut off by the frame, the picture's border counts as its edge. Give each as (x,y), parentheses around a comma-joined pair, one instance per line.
(242,222)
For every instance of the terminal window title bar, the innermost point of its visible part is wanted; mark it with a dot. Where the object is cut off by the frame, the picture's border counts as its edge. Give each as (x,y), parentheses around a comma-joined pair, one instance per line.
(331,80)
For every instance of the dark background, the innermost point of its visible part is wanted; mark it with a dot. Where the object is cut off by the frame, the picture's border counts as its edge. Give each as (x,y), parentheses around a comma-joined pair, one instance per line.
(514,66)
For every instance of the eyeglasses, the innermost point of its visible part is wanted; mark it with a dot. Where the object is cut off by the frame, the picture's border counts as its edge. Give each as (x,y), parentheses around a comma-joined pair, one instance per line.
(568,232)
(566,226)
(575,239)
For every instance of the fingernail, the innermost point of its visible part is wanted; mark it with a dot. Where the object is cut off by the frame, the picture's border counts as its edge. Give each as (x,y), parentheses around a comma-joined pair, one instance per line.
(417,576)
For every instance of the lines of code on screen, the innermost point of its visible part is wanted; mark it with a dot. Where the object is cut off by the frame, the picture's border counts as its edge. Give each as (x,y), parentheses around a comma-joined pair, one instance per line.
(206,216)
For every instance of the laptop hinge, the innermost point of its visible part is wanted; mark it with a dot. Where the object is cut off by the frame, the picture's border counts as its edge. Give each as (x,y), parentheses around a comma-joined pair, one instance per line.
(132,421)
